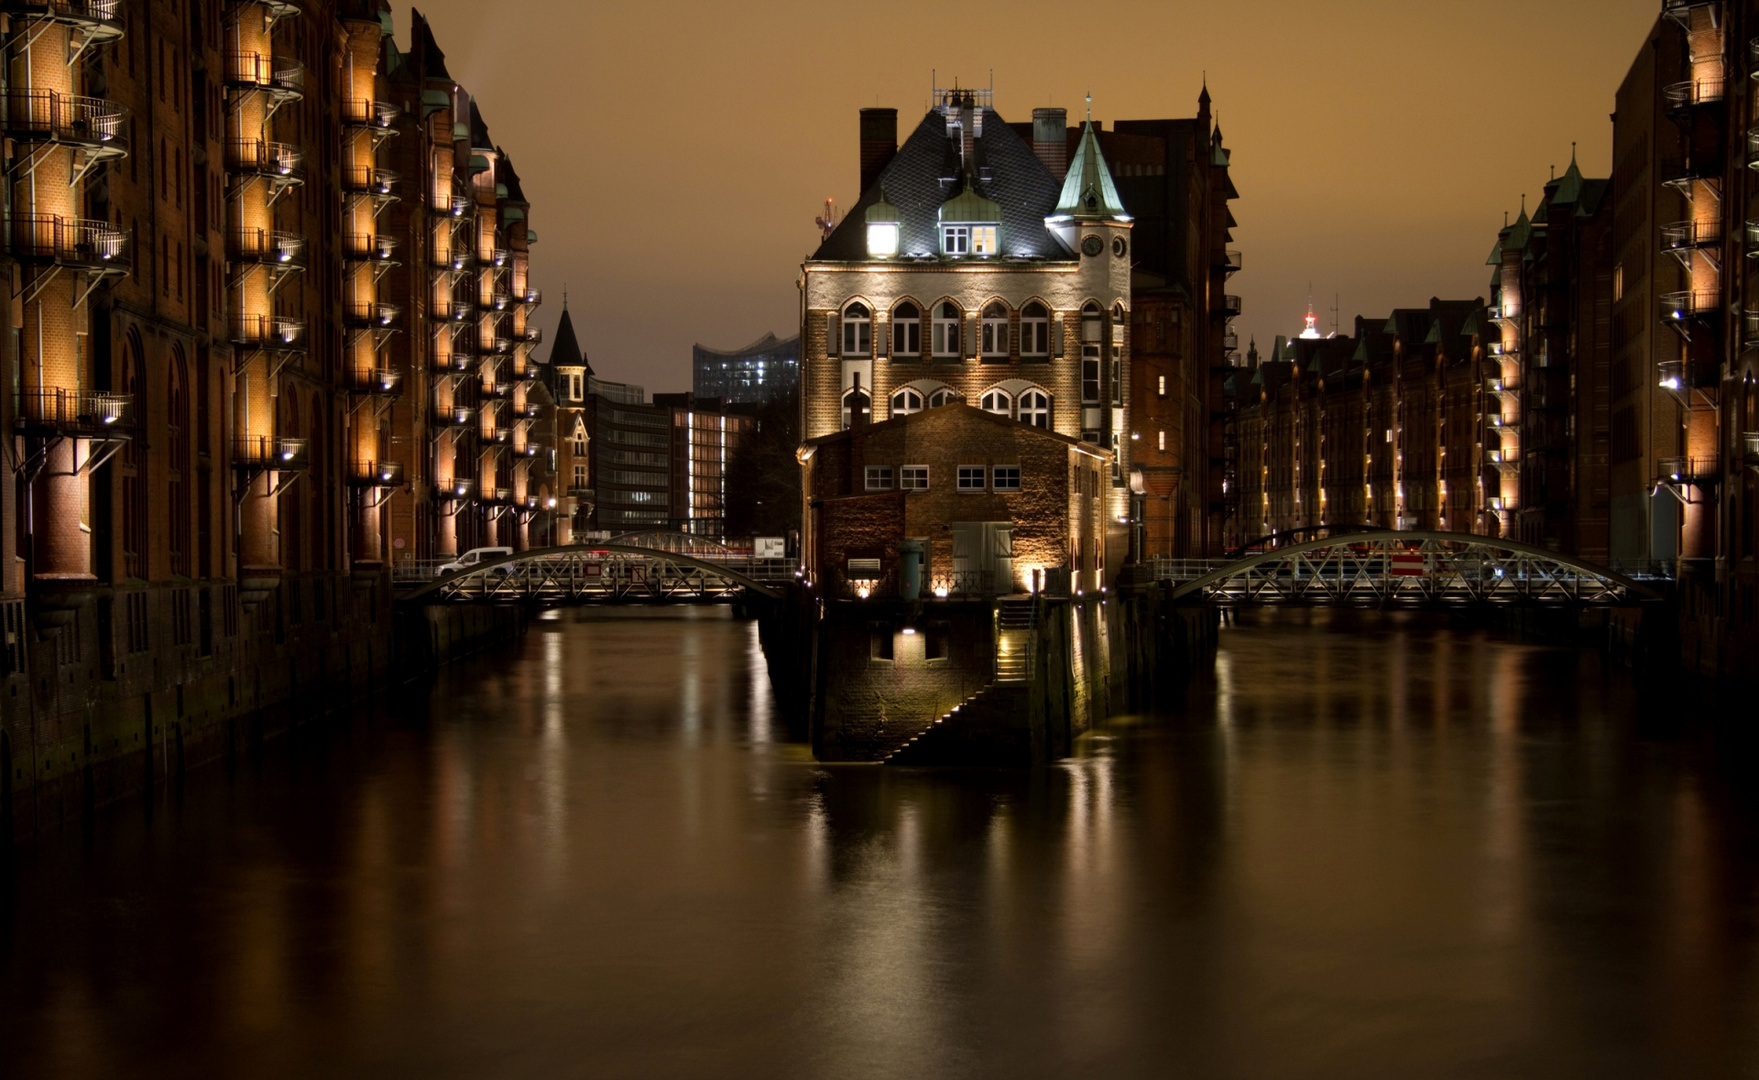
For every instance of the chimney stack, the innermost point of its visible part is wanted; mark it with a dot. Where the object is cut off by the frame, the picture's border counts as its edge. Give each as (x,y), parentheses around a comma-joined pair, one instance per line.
(1050,140)
(879,143)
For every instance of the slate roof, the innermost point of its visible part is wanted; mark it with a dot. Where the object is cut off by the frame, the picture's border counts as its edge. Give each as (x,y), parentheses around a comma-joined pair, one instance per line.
(565,350)
(926,173)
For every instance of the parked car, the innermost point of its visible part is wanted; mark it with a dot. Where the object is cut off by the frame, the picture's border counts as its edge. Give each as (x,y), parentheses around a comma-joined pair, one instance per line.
(476,557)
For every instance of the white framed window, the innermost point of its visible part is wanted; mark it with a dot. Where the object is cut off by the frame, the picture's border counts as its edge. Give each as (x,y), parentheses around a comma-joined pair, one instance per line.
(906,401)
(913,477)
(906,332)
(1035,330)
(879,478)
(998,402)
(580,481)
(940,397)
(946,328)
(1035,409)
(983,240)
(1006,478)
(956,239)
(994,330)
(857,408)
(1090,374)
(971,478)
(857,330)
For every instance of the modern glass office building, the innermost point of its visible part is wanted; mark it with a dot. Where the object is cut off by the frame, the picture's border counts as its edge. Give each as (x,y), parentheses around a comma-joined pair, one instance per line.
(767,369)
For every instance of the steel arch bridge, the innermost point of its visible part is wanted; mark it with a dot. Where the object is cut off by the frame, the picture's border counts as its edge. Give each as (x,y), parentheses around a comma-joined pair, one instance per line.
(626,573)
(1387,567)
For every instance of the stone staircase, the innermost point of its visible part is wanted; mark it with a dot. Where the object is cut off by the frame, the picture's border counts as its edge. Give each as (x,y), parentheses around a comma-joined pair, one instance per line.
(1014,644)
(984,729)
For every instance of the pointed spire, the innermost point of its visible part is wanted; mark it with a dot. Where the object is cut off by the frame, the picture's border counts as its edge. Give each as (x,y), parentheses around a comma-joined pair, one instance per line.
(1203,98)
(1090,106)
(566,349)
(1569,186)
(1088,190)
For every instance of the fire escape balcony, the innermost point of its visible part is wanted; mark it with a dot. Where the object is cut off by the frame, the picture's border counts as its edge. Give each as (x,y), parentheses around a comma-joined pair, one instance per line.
(276,332)
(1680,174)
(52,412)
(530,297)
(531,335)
(366,180)
(369,247)
(454,362)
(281,163)
(283,250)
(1231,306)
(94,125)
(281,77)
(497,300)
(1681,475)
(366,113)
(458,489)
(101,20)
(1691,93)
(450,261)
(458,416)
(370,315)
(75,243)
(530,450)
(497,257)
(497,391)
(374,382)
(528,373)
(257,452)
(1682,306)
(531,410)
(1690,234)
(499,496)
(1227,260)
(1502,388)
(1750,330)
(1231,341)
(375,474)
(1750,449)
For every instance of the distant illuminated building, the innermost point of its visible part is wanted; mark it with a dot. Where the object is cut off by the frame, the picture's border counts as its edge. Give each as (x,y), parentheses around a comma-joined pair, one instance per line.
(766,370)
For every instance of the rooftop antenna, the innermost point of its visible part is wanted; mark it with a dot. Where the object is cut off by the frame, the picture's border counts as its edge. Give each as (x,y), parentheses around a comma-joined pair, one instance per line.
(1090,105)
(1337,323)
(827,223)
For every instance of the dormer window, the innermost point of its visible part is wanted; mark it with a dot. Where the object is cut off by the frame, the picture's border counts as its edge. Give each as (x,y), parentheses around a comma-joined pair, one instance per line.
(883,225)
(983,240)
(956,239)
(857,330)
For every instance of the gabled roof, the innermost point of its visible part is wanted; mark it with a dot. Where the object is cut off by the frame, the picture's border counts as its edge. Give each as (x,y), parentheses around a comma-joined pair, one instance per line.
(926,173)
(1088,191)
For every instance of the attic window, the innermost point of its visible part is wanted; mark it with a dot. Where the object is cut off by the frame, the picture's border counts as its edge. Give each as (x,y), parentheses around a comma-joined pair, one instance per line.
(956,239)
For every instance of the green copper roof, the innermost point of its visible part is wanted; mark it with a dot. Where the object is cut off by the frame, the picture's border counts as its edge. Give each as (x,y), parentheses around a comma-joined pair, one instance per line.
(1361,350)
(1521,232)
(1088,191)
(1569,189)
(1495,255)
(968,205)
(1434,335)
(883,210)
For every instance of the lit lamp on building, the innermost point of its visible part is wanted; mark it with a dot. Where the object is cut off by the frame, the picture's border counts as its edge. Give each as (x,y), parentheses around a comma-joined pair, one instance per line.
(883,225)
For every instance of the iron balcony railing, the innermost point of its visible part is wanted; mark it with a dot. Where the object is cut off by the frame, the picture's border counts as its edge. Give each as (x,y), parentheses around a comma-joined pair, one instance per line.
(83,243)
(260,157)
(364,179)
(268,331)
(529,371)
(1686,94)
(498,435)
(497,346)
(531,335)
(269,452)
(531,410)
(457,416)
(1682,305)
(1690,234)
(101,18)
(532,296)
(530,450)
(497,390)
(1231,341)
(72,412)
(1687,470)
(268,246)
(382,382)
(456,259)
(370,314)
(499,496)
(282,76)
(364,112)
(498,256)
(494,300)
(454,490)
(371,247)
(1671,375)
(1231,305)
(374,474)
(93,123)
(1227,259)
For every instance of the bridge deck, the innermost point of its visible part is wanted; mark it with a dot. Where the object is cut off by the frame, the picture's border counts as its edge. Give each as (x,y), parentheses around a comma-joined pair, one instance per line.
(604,573)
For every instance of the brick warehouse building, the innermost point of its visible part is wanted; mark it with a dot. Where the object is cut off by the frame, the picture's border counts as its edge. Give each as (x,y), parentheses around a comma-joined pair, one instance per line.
(224,420)
(992,502)
(967,272)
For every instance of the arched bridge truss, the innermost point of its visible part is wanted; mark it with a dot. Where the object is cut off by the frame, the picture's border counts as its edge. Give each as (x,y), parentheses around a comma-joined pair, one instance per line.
(1385,567)
(603,572)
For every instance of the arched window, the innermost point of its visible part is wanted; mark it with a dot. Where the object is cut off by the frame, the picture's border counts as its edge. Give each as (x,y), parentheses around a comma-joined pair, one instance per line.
(946,329)
(995,330)
(1118,313)
(1035,330)
(857,408)
(998,402)
(1035,409)
(857,330)
(905,402)
(940,397)
(906,332)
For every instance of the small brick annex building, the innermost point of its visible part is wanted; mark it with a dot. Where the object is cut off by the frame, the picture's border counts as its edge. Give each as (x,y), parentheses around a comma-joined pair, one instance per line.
(991,501)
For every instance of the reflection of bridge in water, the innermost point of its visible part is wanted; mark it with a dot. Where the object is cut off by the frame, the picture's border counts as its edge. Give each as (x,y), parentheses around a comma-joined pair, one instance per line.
(1402,568)
(610,572)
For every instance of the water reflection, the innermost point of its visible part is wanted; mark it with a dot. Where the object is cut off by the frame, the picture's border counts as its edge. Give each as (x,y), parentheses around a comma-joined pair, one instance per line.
(1370,845)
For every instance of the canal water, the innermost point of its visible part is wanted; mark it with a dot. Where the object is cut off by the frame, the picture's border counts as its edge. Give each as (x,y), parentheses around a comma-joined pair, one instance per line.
(1367,846)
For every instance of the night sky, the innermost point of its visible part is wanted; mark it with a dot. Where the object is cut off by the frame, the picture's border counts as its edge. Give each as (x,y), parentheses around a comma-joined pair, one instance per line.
(675,154)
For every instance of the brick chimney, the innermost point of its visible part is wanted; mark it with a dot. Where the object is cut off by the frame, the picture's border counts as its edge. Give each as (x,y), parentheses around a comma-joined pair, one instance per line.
(879,143)
(1050,140)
